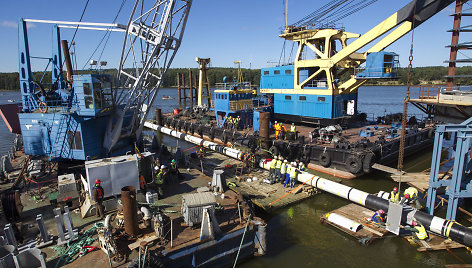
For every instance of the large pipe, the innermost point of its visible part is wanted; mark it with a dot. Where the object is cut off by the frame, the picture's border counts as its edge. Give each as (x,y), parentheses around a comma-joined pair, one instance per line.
(65,51)
(451,229)
(264,132)
(128,197)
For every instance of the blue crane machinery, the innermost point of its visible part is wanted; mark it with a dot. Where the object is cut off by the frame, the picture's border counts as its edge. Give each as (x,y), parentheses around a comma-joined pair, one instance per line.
(311,88)
(84,116)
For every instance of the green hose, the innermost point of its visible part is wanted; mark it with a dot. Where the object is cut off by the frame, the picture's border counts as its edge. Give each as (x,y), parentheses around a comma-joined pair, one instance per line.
(73,250)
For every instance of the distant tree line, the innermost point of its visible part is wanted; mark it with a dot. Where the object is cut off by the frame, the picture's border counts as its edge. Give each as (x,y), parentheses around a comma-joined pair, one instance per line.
(419,75)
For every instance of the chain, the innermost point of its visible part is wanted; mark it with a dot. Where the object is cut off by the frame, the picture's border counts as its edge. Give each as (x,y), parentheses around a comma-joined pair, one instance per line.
(401,150)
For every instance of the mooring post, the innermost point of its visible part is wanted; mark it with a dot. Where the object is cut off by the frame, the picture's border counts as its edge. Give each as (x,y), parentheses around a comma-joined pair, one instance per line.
(190,86)
(178,88)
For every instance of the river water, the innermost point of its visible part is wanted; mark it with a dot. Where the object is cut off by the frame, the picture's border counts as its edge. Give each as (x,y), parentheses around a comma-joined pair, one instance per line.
(296,238)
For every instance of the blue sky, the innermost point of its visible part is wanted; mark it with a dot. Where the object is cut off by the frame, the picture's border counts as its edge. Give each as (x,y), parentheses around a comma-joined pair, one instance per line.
(223,30)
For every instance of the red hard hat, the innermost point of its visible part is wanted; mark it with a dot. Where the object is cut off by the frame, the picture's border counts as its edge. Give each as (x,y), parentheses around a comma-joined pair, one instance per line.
(395,189)
(407,196)
(380,211)
(414,223)
(97,181)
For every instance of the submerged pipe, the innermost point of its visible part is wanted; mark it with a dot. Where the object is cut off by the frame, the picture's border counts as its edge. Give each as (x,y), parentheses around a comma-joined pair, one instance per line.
(447,228)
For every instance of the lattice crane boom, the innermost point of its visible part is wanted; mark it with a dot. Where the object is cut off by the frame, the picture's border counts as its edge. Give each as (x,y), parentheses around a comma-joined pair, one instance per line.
(153,36)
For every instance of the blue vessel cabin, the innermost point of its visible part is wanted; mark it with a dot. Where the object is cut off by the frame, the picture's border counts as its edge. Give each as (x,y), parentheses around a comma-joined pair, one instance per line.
(314,99)
(233,101)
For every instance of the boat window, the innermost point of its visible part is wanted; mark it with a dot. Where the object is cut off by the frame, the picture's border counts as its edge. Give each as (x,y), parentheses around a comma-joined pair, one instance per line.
(266,72)
(288,71)
(302,98)
(277,72)
(74,140)
(321,99)
(226,96)
(88,102)
(87,89)
(287,97)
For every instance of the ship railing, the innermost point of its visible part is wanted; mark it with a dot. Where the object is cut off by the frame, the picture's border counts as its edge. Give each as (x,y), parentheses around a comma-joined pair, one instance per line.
(233,86)
(317,83)
(426,92)
(51,106)
(240,105)
(373,116)
(377,72)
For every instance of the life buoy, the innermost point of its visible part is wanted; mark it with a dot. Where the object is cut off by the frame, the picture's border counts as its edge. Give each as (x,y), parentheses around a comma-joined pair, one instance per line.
(369,160)
(353,164)
(325,159)
(43,107)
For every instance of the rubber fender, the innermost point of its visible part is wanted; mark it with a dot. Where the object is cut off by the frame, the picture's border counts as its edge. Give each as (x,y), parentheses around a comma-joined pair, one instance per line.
(185,127)
(325,159)
(193,116)
(369,160)
(200,130)
(274,150)
(192,128)
(353,164)
(306,155)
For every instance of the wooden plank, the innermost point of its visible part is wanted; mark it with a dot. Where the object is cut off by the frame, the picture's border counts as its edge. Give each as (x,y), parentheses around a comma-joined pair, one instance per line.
(386,169)
(148,239)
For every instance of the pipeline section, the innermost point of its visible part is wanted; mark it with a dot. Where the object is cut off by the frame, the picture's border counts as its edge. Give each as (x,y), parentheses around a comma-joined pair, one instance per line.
(447,228)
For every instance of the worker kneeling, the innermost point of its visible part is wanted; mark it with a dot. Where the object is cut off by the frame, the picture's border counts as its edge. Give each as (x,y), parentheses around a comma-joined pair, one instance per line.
(419,231)
(410,197)
(379,217)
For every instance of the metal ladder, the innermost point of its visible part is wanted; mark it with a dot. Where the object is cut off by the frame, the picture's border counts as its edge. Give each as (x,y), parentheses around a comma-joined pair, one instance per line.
(62,142)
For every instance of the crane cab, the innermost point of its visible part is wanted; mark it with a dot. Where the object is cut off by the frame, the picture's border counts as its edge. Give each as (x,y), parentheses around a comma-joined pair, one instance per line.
(94,94)
(380,65)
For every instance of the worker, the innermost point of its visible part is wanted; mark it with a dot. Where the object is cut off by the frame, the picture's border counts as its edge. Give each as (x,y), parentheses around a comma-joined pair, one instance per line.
(229,121)
(273,163)
(160,180)
(277,130)
(282,133)
(293,174)
(174,171)
(278,166)
(142,183)
(287,174)
(98,195)
(302,167)
(293,128)
(394,195)
(379,216)
(236,123)
(283,171)
(410,197)
(419,231)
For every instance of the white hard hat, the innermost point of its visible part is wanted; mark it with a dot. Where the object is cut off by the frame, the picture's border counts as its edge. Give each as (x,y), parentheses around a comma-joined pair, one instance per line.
(285,161)
(162,167)
(276,122)
(156,168)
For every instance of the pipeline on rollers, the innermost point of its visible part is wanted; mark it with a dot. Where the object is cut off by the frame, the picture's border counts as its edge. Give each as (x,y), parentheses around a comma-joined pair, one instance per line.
(447,228)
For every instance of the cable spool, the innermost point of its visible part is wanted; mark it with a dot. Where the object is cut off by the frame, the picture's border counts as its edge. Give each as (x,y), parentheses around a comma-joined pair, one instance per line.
(11,204)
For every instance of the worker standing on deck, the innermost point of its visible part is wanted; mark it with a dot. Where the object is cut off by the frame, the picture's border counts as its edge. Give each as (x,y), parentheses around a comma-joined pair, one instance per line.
(273,163)
(302,167)
(277,130)
(419,231)
(174,171)
(278,166)
(238,119)
(98,195)
(293,174)
(229,121)
(410,197)
(283,171)
(159,180)
(394,195)
(287,174)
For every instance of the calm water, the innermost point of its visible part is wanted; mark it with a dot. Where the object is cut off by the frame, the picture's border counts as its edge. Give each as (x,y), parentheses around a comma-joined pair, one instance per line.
(295,235)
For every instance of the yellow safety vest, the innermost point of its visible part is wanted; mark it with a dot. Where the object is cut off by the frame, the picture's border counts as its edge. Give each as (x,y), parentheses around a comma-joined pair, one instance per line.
(293,173)
(278,164)
(394,197)
(273,163)
(160,177)
(412,192)
(422,234)
(283,168)
(292,128)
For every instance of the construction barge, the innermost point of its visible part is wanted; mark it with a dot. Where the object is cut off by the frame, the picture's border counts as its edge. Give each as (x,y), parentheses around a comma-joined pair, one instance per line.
(345,154)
